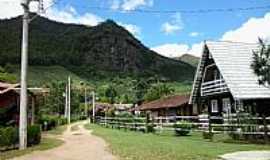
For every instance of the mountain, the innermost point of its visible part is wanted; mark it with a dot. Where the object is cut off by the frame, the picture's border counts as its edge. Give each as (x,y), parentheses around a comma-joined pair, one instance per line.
(190,59)
(105,50)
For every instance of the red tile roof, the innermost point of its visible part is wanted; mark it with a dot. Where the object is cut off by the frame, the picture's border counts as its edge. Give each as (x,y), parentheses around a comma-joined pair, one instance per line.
(168,102)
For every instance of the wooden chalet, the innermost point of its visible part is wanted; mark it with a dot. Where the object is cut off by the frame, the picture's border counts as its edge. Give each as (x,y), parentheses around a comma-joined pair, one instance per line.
(169,106)
(225,82)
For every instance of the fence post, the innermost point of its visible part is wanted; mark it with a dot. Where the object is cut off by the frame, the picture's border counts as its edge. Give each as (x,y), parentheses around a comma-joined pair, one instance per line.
(147,122)
(210,128)
(265,128)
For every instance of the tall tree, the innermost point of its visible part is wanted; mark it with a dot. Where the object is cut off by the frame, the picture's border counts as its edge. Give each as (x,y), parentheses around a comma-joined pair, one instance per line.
(261,63)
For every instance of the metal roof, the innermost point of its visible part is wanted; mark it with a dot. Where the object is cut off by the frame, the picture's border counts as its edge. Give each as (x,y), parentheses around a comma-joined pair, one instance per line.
(233,59)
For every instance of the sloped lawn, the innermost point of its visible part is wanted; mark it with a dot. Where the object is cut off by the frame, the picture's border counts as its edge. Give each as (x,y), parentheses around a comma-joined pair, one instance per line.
(138,146)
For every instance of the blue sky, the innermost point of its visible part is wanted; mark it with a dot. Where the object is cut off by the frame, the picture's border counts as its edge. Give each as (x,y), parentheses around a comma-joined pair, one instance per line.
(169,34)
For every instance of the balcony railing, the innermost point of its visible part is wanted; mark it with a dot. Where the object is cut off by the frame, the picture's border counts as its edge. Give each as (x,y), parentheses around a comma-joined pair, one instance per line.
(214,87)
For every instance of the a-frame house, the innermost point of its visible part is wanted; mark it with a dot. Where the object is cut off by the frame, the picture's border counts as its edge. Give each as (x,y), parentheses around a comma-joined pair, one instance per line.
(225,82)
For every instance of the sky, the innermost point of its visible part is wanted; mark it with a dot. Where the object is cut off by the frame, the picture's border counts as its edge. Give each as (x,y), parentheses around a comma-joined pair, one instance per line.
(170,34)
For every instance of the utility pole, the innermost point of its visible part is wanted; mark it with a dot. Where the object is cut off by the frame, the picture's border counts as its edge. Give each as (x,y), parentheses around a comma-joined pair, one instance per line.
(24,63)
(94,105)
(85,101)
(69,110)
(66,100)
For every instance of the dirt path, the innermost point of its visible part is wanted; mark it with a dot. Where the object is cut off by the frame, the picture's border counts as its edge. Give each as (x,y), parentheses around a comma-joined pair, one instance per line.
(247,155)
(79,145)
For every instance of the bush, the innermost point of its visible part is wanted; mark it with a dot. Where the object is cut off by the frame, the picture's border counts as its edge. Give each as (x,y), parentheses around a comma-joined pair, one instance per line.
(33,135)
(150,128)
(48,122)
(208,135)
(8,136)
(182,128)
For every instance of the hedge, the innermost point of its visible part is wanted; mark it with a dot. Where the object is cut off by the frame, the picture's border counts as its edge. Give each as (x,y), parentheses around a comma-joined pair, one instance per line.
(9,136)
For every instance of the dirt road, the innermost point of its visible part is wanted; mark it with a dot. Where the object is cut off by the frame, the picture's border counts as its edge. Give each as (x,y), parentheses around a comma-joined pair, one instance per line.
(79,145)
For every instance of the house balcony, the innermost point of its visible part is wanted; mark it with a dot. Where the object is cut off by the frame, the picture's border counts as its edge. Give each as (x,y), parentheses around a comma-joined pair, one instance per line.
(214,87)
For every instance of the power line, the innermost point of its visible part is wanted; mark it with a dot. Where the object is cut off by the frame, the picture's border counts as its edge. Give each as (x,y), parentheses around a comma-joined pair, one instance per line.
(45,9)
(199,11)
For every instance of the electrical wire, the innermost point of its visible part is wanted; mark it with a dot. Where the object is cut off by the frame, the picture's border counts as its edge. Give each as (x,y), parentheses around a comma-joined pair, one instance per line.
(199,11)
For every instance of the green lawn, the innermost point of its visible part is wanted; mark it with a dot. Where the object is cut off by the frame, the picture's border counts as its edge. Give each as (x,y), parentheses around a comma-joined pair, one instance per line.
(138,146)
(46,143)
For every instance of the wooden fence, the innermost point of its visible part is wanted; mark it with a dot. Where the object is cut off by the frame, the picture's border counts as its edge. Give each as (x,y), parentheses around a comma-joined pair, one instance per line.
(243,125)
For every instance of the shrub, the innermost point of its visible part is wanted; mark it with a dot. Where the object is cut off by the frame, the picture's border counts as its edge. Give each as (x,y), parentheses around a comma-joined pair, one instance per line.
(182,128)
(208,135)
(33,134)
(8,136)
(48,122)
(150,128)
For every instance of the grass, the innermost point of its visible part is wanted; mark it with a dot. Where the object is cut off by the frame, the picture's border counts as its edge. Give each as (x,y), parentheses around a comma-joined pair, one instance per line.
(138,146)
(46,143)
(74,128)
(40,75)
(58,130)
(181,87)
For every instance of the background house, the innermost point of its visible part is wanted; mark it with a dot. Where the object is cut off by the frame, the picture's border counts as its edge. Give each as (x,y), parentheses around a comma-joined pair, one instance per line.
(169,106)
(225,82)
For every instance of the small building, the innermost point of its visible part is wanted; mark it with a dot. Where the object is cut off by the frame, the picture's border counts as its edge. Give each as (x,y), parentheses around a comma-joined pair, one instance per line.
(10,102)
(170,106)
(225,82)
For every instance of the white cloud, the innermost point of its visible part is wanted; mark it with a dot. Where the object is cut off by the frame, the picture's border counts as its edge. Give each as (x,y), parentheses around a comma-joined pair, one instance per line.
(171,50)
(70,15)
(247,32)
(194,34)
(177,50)
(135,30)
(129,5)
(174,25)
(250,30)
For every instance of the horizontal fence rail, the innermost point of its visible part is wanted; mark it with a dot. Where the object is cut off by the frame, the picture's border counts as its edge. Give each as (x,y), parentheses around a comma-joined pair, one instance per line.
(247,125)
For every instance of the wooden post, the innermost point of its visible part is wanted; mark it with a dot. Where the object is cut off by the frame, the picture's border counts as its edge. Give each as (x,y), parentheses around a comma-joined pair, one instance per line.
(210,128)
(265,129)
(33,110)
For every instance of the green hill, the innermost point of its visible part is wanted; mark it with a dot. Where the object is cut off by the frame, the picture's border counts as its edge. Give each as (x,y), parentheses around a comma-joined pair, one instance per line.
(99,52)
(190,59)
(41,75)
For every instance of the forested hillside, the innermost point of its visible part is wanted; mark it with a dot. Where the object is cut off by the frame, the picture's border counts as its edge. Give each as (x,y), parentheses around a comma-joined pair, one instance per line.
(91,52)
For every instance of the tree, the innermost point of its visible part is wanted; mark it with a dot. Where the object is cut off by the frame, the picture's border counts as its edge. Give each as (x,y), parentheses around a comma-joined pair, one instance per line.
(261,67)
(261,63)
(158,91)
(111,93)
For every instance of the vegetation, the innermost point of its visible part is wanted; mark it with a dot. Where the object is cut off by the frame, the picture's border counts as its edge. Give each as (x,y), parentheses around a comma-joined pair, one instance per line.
(138,146)
(192,60)
(101,51)
(9,136)
(182,128)
(46,143)
(261,63)
(6,77)
(157,91)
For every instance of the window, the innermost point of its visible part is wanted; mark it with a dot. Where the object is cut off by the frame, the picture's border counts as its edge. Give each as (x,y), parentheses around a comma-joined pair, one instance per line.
(214,106)
(226,104)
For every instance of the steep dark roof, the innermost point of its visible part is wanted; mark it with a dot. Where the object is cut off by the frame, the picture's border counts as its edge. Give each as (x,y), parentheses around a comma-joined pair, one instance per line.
(168,102)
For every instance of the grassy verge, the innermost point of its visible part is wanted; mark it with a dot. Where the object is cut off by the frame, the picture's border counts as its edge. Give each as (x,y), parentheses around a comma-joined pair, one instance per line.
(46,143)
(58,130)
(74,128)
(138,146)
